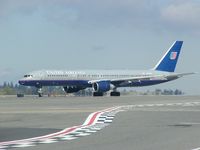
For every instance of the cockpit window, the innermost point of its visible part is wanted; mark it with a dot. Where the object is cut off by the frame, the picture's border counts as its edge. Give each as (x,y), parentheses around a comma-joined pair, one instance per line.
(26,76)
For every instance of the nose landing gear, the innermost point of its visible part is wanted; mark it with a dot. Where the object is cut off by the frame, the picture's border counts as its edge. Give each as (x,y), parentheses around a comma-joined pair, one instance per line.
(39,89)
(40,93)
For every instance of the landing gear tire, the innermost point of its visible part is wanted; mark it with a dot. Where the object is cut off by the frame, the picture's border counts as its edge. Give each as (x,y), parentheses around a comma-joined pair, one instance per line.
(40,95)
(115,94)
(97,94)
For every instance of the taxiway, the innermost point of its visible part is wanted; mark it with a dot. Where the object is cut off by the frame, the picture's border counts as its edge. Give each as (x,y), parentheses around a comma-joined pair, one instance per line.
(140,122)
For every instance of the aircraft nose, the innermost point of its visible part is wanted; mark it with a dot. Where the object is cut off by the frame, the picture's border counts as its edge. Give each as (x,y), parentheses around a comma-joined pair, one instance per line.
(21,82)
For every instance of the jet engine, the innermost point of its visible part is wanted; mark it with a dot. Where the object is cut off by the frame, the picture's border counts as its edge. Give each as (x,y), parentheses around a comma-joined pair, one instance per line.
(102,86)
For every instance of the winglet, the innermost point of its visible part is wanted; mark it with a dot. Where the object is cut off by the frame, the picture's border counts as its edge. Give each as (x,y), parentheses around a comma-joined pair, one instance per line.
(169,60)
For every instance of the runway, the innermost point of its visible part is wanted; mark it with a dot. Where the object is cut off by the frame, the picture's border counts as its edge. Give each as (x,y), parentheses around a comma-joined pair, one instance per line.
(84,123)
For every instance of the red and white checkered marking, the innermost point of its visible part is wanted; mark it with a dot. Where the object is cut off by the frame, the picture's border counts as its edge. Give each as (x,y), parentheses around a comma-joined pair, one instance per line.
(95,122)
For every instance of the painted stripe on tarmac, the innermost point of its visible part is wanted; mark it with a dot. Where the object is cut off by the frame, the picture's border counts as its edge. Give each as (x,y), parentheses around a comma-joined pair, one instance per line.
(91,125)
(95,122)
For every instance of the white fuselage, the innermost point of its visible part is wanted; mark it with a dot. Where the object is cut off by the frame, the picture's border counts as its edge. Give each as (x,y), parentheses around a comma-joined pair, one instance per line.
(64,77)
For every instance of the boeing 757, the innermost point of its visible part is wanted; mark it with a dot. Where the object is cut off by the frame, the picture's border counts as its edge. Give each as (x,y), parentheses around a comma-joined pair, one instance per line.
(102,81)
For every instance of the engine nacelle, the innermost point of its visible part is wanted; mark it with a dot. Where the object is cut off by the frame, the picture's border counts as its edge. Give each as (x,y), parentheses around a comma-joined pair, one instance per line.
(102,86)
(71,89)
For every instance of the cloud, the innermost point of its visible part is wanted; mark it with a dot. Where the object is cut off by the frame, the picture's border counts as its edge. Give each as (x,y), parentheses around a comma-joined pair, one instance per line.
(88,10)
(183,15)
(137,14)
(57,11)
(9,7)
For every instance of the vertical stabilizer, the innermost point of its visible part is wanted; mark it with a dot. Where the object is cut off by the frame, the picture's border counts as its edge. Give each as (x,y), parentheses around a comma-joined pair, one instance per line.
(169,60)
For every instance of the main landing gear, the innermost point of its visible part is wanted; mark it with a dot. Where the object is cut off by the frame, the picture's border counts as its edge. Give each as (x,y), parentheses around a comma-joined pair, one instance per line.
(114,93)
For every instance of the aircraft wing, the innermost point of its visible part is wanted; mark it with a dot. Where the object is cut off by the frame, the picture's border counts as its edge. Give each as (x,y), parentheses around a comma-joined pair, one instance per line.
(121,81)
(149,78)
(181,74)
(129,80)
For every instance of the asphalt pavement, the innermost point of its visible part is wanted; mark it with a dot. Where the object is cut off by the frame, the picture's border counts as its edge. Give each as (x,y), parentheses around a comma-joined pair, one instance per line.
(132,122)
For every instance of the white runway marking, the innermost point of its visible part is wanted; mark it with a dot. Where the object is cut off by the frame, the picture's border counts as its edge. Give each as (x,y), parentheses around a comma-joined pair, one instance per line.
(47,141)
(95,122)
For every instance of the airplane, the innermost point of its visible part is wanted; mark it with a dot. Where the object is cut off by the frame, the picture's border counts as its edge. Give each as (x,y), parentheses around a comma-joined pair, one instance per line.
(102,81)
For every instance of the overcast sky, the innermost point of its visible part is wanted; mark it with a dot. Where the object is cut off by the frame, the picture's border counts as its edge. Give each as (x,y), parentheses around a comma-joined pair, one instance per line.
(98,34)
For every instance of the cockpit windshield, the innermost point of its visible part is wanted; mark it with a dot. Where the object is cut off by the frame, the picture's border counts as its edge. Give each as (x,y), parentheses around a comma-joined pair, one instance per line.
(26,76)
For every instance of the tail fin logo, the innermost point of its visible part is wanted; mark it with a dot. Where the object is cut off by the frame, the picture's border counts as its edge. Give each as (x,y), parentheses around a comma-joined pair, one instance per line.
(173,55)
